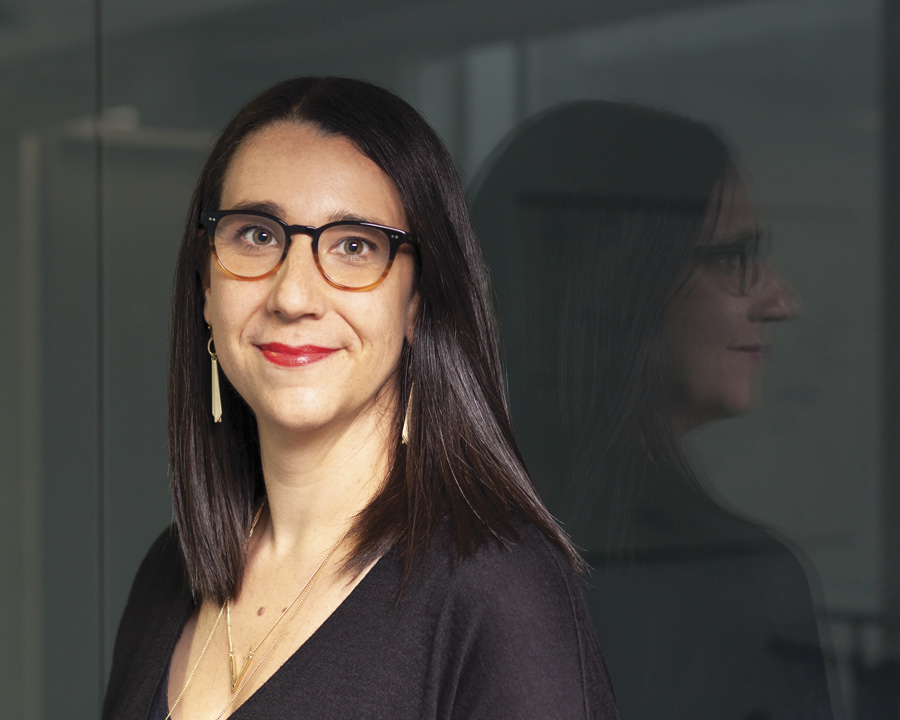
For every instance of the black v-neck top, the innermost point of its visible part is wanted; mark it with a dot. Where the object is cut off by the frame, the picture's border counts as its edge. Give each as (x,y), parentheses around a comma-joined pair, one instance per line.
(501,635)
(159,708)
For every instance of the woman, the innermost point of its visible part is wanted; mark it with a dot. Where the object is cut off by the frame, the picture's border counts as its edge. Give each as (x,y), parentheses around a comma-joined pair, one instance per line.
(636,304)
(355,534)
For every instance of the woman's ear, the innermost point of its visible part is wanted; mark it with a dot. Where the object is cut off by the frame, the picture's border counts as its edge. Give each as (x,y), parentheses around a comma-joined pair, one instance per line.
(206,294)
(204,283)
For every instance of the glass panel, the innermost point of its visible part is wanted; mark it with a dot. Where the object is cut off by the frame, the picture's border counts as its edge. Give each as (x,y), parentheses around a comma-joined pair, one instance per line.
(148,180)
(794,86)
(49,433)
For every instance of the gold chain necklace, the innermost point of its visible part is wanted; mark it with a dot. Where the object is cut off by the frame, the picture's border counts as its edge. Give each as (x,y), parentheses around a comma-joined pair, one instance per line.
(299,601)
(296,603)
(304,591)
(215,625)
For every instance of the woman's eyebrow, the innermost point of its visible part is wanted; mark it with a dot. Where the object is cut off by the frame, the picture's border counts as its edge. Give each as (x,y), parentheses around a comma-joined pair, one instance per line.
(263,206)
(271,208)
(743,236)
(346,216)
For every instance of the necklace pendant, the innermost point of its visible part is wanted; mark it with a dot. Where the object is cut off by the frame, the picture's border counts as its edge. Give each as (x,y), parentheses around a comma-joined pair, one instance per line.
(236,678)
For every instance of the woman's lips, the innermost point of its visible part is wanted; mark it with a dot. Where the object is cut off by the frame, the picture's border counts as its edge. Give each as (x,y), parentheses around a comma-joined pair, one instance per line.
(755,352)
(291,356)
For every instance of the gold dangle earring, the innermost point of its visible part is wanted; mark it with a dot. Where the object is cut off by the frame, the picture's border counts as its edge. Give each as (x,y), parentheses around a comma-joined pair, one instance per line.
(216,396)
(404,434)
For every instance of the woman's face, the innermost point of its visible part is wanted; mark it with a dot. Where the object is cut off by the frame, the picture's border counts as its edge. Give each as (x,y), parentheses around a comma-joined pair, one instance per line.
(717,332)
(304,355)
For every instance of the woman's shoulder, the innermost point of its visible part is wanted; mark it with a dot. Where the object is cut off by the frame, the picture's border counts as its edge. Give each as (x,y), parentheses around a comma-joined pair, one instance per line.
(520,559)
(162,559)
(523,580)
(514,615)
(160,577)
(157,607)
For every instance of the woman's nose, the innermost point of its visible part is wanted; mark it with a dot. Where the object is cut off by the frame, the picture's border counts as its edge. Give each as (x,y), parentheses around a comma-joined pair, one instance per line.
(298,287)
(776,300)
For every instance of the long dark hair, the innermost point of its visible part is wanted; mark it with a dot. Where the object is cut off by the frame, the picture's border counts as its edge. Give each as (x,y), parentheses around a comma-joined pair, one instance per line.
(591,215)
(462,463)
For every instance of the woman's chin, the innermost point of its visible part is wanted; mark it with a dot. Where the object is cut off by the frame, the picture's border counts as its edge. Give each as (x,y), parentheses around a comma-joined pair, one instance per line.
(722,407)
(302,424)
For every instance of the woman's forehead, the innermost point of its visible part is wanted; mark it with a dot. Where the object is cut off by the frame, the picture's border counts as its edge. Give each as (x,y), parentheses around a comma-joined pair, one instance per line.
(297,169)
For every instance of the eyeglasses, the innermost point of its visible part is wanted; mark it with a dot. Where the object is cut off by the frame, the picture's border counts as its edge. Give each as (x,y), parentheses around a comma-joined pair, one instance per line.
(351,255)
(743,260)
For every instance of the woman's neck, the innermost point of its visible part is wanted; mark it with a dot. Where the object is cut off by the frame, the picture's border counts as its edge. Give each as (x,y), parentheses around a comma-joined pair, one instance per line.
(316,485)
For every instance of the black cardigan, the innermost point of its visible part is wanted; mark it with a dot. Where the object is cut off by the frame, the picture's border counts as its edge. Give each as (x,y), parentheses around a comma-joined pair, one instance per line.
(501,634)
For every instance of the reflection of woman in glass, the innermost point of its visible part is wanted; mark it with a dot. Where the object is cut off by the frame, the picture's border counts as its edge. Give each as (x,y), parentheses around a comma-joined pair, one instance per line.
(635,302)
(355,534)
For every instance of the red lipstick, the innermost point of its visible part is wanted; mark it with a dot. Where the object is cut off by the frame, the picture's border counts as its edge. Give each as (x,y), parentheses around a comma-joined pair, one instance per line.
(290,356)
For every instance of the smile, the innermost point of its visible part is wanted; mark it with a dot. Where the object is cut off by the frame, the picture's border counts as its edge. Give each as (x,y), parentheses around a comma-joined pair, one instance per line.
(290,356)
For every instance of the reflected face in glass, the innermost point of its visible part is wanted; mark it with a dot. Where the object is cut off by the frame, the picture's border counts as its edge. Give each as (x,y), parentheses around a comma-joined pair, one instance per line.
(717,329)
(304,354)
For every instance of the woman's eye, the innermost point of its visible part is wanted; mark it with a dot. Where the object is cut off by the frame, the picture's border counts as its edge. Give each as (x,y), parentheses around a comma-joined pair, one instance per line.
(258,236)
(731,261)
(356,246)
(726,259)
(351,246)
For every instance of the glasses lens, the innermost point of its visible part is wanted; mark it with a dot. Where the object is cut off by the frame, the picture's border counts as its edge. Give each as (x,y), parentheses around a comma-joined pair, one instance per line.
(354,256)
(248,245)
